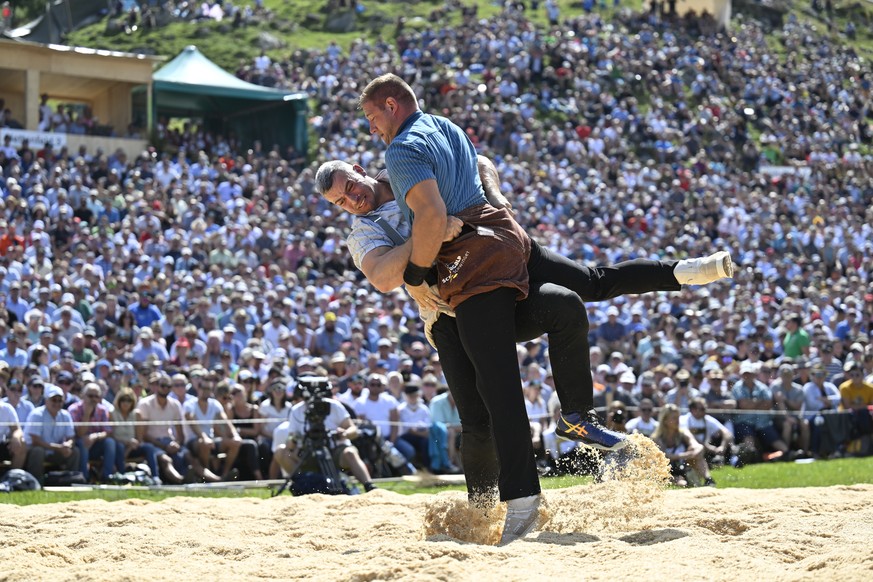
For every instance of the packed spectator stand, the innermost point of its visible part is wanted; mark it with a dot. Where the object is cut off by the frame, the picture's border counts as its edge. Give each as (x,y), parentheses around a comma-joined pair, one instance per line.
(642,136)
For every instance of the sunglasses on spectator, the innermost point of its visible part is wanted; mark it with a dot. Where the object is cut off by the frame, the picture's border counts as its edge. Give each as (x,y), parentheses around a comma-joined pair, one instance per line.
(374,383)
(164,384)
(123,400)
(94,396)
(645,409)
(17,389)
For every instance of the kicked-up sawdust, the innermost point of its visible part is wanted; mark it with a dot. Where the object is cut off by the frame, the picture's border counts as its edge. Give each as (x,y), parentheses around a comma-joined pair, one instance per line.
(627,527)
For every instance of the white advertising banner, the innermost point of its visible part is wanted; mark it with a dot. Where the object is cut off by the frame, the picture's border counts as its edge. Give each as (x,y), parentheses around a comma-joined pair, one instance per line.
(36,139)
(776,171)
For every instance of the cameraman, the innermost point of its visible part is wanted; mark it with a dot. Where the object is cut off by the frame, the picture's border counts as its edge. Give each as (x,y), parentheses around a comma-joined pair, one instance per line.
(289,436)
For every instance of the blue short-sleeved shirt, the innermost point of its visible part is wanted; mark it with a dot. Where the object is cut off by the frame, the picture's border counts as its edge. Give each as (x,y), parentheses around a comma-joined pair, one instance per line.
(430,147)
(52,429)
(761,392)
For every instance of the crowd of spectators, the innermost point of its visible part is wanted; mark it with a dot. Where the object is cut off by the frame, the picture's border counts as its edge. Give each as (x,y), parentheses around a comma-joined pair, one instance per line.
(635,137)
(150,14)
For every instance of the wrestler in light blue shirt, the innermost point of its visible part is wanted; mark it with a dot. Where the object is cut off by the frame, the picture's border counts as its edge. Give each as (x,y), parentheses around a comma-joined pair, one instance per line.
(430,147)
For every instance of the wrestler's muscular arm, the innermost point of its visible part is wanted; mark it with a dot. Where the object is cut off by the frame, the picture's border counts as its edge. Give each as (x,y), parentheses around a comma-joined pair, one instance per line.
(429,224)
(491,183)
(383,266)
(428,228)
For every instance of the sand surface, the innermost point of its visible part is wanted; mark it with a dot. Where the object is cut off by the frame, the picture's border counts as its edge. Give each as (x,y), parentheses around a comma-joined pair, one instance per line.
(699,534)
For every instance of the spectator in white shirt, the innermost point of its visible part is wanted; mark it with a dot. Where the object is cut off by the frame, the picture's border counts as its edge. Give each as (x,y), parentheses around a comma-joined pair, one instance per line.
(644,423)
(414,425)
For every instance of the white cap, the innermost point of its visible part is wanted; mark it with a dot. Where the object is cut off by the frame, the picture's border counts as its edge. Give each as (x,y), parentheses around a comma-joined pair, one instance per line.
(748,367)
(627,377)
(620,368)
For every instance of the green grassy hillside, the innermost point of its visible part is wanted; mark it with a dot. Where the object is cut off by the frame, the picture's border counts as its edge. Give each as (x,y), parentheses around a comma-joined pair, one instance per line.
(301,24)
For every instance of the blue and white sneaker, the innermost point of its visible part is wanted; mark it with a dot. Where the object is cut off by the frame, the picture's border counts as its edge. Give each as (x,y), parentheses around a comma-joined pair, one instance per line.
(589,431)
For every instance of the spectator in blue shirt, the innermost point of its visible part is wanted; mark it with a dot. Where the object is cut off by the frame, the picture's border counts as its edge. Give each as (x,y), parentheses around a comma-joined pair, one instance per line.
(148,347)
(14,303)
(12,354)
(144,312)
(14,395)
(612,330)
(49,434)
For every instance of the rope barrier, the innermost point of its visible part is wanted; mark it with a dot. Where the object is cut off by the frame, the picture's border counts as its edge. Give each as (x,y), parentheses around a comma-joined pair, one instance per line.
(264,420)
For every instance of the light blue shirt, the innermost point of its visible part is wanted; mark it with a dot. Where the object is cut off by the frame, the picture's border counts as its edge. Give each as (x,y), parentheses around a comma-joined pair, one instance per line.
(366,235)
(52,430)
(18,359)
(23,410)
(441,410)
(760,392)
(141,353)
(430,147)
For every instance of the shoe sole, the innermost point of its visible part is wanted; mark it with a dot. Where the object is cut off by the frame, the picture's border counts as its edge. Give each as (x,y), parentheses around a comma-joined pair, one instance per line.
(616,447)
(727,265)
(526,531)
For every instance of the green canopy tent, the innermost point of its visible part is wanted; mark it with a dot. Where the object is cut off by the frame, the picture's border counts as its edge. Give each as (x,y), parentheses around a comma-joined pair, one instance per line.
(193,86)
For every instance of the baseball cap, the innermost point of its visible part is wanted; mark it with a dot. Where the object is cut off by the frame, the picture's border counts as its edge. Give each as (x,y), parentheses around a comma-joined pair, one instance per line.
(377,376)
(384,342)
(51,391)
(627,377)
(748,368)
(330,316)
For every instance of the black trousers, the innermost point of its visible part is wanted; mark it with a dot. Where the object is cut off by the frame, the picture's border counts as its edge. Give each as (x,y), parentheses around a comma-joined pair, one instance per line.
(490,390)
(569,350)
(482,329)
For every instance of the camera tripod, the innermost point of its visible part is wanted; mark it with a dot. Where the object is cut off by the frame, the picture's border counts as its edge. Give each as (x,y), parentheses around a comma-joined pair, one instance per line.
(316,446)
